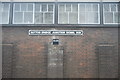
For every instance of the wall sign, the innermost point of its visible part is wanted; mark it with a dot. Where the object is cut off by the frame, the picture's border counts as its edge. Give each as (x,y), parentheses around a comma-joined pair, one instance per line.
(55,32)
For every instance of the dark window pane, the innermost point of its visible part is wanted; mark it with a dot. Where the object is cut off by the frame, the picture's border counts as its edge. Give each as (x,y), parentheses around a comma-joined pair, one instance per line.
(50,7)
(17,7)
(30,7)
(18,17)
(68,7)
(23,7)
(48,18)
(44,7)
(38,17)
(37,7)
(28,17)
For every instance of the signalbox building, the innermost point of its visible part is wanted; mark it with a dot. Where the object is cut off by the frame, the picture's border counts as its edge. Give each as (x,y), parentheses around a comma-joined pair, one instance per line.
(59,38)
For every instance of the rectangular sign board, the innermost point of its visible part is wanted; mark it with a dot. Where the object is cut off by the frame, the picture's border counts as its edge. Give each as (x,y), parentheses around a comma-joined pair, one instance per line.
(55,32)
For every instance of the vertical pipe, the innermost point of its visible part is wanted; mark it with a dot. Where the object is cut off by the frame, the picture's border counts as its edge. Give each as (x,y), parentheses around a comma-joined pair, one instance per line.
(101,12)
(1,42)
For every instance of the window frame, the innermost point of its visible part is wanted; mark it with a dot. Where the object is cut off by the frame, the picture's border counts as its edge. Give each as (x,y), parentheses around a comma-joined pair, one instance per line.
(98,14)
(8,13)
(117,4)
(22,12)
(78,23)
(102,25)
(53,12)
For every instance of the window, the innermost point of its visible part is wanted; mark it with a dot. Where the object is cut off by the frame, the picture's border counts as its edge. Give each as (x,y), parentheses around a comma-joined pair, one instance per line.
(23,13)
(78,14)
(4,13)
(44,14)
(89,14)
(68,14)
(110,13)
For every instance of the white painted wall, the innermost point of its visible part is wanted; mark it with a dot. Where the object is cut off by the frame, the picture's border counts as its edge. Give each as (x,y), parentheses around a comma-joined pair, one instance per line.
(59,0)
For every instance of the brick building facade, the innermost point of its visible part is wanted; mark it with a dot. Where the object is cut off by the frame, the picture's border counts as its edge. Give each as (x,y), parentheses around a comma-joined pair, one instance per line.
(91,55)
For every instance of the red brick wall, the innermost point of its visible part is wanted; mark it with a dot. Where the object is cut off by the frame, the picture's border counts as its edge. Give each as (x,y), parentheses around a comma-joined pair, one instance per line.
(80,56)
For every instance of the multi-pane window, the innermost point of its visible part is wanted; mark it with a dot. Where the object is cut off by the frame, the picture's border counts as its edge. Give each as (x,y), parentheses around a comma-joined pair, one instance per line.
(78,13)
(4,13)
(68,14)
(110,13)
(89,14)
(44,14)
(23,13)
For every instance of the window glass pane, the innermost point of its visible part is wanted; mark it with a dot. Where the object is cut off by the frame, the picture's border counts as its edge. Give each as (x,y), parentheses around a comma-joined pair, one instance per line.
(88,7)
(96,18)
(68,7)
(17,7)
(108,17)
(48,18)
(23,6)
(113,7)
(18,17)
(45,15)
(82,18)
(63,18)
(95,7)
(28,17)
(50,7)
(74,8)
(111,16)
(6,7)
(30,7)
(5,18)
(44,7)
(116,17)
(106,7)
(92,17)
(61,8)
(82,7)
(23,13)
(88,14)
(38,17)
(70,16)
(37,7)
(1,8)
(89,18)
(73,18)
